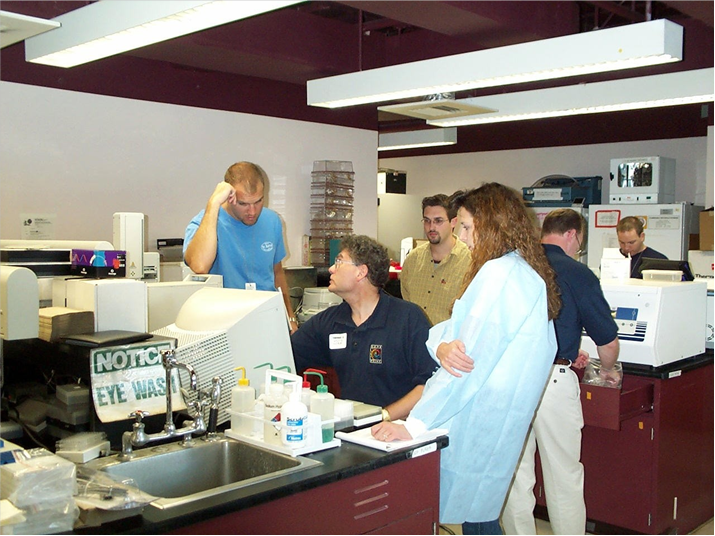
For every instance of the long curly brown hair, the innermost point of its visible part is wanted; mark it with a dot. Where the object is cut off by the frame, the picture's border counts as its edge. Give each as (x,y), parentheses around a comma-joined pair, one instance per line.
(501,225)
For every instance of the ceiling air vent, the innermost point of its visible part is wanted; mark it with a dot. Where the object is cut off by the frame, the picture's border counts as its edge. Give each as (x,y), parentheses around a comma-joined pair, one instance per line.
(436,109)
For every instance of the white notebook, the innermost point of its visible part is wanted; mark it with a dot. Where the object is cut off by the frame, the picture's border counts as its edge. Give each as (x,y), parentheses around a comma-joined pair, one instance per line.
(364,437)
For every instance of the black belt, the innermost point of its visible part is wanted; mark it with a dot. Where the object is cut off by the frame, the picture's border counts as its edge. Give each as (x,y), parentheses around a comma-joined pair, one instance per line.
(559,361)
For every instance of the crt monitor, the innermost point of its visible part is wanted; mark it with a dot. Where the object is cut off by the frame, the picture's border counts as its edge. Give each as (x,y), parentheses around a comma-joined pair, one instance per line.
(666,264)
(219,329)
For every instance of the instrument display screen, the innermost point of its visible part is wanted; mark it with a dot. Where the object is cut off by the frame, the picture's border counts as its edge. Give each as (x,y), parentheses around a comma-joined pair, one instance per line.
(626,313)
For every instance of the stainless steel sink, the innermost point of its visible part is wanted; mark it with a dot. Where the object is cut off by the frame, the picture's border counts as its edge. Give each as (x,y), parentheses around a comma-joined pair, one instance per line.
(177,475)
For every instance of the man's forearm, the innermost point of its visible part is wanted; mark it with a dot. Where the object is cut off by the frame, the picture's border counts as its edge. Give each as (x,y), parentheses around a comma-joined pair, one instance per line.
(608,353)
(401,408)
(201,251)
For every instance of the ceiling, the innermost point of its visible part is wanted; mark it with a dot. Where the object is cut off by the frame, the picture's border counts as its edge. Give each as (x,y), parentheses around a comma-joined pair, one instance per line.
(261,65)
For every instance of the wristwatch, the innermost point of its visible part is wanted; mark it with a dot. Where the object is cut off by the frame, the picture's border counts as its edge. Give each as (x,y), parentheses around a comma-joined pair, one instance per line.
(385,415)
(293,319)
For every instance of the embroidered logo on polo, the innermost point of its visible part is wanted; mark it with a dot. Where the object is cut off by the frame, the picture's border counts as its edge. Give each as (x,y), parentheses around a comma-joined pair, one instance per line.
(376,354)
(267,246)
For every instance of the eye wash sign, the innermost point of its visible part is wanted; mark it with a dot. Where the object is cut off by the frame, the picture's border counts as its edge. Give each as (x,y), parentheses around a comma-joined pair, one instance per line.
(131,377)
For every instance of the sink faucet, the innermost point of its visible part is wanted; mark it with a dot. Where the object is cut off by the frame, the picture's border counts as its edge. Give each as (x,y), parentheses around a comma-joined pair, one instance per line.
(138,438)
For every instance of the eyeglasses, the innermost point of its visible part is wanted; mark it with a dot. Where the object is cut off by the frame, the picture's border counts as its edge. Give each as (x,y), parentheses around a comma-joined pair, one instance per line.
(339,261)
(436,221)
(581,250)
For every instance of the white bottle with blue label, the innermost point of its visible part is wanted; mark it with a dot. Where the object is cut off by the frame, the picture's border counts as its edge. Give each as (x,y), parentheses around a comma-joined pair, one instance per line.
(294,419)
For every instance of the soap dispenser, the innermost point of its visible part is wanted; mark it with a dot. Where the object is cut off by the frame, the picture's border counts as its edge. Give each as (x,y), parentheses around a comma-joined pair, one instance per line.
(294,419)
(243,398)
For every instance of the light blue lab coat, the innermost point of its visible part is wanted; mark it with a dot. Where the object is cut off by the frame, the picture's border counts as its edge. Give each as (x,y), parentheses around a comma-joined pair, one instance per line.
(502,318)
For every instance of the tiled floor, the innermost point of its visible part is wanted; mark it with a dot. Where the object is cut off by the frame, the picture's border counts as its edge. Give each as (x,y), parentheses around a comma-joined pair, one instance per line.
(543,527)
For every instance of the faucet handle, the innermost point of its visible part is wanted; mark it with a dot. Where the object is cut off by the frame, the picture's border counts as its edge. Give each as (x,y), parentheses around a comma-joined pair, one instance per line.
(138,415)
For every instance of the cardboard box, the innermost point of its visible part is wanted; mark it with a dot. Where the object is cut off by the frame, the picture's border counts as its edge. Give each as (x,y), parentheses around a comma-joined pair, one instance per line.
(706,230)
(99,264)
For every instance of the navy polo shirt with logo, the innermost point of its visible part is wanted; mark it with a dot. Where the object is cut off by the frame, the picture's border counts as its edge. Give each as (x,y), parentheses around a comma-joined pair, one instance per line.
(379,361)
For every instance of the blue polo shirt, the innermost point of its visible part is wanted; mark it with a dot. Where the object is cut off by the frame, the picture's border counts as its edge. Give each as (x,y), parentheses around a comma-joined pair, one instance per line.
(583,305)
(379,361)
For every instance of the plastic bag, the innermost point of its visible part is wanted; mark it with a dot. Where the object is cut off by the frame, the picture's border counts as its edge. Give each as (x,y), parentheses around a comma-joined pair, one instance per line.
(595,374)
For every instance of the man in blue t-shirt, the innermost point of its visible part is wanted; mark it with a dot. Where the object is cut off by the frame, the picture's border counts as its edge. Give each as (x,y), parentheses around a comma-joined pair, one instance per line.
(239,239)
(557,424)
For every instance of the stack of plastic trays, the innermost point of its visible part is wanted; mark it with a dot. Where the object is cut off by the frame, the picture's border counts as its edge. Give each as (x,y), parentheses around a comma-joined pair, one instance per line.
(331,206)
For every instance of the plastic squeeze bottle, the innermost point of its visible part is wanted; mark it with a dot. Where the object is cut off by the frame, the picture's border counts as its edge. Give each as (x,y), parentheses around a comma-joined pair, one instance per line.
(294,418)
(243,397)
(306,392)
(274,401)
(323,403)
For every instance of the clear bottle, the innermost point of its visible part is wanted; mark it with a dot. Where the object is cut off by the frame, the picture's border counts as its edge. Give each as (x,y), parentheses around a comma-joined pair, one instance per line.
(294,418)
(243,398)
(306,392)
(323,403)
(274,401)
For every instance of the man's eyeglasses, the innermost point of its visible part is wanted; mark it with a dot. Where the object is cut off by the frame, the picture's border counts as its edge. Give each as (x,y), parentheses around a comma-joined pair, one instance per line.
(581,250)
(339,261)
(436,221)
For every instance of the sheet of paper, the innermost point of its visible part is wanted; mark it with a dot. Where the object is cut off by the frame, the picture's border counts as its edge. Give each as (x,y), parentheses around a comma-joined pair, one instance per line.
(364,437)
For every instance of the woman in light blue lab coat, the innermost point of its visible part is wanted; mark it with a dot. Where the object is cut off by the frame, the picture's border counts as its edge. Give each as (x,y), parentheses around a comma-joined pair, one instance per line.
(503,321)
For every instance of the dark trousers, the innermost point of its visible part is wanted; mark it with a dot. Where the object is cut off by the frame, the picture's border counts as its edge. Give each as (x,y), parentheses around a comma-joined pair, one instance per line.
(485,527)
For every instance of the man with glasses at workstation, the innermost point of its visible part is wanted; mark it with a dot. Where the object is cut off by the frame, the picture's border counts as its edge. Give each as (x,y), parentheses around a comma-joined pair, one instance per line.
(433,272)
(374,341)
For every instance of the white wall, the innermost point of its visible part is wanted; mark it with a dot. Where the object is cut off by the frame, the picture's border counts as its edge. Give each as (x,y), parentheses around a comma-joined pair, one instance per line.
(83,157)
(428,175)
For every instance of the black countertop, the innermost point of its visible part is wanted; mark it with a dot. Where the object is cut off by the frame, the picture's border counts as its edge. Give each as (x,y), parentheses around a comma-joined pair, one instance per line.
(337,464)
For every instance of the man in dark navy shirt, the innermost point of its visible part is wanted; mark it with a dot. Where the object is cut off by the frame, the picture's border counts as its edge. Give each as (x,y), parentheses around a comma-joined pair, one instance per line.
(374,341)
(558,421)
(631,240)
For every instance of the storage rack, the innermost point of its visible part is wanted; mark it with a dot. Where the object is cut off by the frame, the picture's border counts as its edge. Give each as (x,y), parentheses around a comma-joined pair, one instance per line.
(331,206)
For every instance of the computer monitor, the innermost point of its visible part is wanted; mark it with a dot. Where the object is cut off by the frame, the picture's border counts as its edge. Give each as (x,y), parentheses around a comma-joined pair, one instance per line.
(219,329)
(666,264)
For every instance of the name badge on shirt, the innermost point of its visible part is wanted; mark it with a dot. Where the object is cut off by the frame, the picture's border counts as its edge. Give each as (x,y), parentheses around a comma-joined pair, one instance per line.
(250,286)
(338,341)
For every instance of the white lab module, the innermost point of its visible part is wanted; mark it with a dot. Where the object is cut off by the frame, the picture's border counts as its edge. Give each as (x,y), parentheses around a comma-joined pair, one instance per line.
(659,322)
(128,229)
(117,303)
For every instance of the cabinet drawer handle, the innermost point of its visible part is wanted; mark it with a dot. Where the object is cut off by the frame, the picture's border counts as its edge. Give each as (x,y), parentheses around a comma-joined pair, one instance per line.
(371,487)
(371,512)
(372,499)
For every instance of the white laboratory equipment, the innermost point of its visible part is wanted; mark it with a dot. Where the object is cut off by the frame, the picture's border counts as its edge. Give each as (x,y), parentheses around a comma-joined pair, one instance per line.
(666,227)
(642,180)
(219,329)
(659,322)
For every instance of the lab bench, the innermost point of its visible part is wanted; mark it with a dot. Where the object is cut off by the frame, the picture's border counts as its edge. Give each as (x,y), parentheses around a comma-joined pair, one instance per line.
(647,450)
(356,490)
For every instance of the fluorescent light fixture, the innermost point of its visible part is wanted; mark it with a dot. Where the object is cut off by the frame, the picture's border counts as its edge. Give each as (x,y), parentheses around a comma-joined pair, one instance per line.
(626,47)
(15,27)
(109,27)
(391,141)
(671,89)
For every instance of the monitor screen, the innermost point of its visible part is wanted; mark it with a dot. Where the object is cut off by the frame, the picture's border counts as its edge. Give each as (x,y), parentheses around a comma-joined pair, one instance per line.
(666,264)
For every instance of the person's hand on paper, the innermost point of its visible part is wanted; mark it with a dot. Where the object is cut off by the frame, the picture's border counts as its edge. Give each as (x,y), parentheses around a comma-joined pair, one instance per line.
(389,431)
